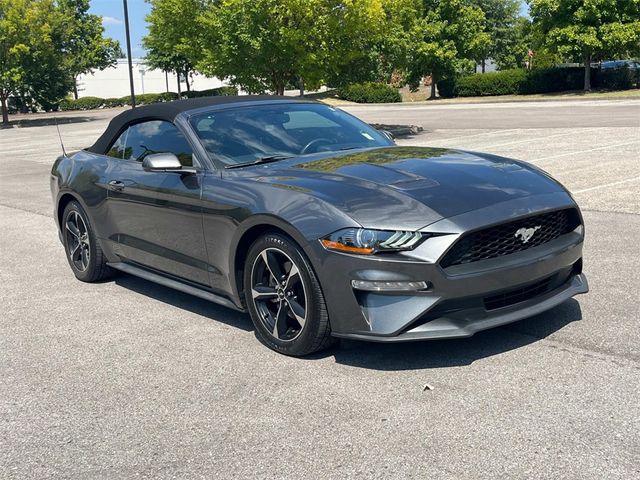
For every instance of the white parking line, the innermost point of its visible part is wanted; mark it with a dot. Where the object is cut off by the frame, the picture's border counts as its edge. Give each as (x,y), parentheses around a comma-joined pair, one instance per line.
(604,147)
(534,138)
(612,184)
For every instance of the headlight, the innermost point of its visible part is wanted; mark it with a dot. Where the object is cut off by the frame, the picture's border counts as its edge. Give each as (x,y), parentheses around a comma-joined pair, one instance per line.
(367,242)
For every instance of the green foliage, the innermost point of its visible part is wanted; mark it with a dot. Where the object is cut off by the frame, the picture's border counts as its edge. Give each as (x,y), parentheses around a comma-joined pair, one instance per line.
(82,42)
(449,33)
(30,58)
(91,103)
(369,92)
(589,29)
(386,57)
(618,79)
(541,80)
(173,40)
(168,96)
(44,45)
(504,82)
(501,16)
(447,87)
(84,103)
(261,44)
(112,102)
(212,92)
(548,80)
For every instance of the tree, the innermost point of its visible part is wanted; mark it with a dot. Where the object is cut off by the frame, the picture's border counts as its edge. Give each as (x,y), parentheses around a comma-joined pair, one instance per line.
(450,33)
(500,21)
(385,57)
(261,44)
(31,63)
(589,29)
(83,44)
(173,40)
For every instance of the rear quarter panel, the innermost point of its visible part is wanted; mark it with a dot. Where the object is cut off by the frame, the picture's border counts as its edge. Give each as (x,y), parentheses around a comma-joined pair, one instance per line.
(83,176)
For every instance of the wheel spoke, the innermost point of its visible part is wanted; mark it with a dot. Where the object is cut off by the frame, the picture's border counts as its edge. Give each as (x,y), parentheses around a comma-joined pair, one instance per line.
(73,252)
(298,311)
(80,224)
(292,277)
(84,255)
(73,229)
(280,324)
(260,292)
(272,265)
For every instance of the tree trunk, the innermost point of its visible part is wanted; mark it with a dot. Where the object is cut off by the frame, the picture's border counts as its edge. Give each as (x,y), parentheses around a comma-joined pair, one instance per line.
(186,80)
(475,68)
(75,88)
(484,65)
(277,84)
(587,72)
(179,87)
(301,84)
(433,87)
(5,110)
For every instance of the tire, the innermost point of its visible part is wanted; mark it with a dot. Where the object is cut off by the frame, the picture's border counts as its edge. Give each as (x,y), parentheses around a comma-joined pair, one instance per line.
(84,254)
(290,317)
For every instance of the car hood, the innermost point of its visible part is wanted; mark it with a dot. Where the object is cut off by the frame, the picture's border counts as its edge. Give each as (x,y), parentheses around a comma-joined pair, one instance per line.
(408,187)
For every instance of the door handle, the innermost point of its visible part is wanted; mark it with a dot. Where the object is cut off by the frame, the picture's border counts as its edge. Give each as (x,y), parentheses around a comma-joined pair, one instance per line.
(116,185)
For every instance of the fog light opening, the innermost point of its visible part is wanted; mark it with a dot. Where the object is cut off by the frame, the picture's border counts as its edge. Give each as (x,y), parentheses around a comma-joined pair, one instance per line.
(385,286)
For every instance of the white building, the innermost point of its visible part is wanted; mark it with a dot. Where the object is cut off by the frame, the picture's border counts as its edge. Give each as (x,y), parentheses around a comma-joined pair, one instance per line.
(114,82)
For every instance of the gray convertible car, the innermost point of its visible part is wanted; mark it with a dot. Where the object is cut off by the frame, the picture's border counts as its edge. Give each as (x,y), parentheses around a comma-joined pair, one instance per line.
(317,224)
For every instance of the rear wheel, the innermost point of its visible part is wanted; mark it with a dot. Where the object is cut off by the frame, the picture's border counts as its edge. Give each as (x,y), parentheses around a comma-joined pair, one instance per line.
(84,255)
(284,298)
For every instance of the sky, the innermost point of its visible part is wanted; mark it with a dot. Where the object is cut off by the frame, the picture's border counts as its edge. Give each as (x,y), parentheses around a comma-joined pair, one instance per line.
(112,15)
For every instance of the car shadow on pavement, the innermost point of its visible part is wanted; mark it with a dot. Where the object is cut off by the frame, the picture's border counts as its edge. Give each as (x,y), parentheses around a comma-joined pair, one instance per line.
(185,301)
(458,352)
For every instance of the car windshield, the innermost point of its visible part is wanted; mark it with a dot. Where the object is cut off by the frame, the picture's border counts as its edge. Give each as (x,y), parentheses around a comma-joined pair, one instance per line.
(250,133)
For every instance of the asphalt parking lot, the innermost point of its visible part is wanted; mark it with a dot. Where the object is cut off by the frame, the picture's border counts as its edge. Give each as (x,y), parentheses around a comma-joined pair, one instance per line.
(129,379)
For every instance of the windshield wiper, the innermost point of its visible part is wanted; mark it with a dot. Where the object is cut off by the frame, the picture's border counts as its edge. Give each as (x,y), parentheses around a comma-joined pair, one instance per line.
(261,160)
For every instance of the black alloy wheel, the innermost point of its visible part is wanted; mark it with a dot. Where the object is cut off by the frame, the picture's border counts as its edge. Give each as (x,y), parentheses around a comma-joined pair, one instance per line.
(285,301)
(84,254)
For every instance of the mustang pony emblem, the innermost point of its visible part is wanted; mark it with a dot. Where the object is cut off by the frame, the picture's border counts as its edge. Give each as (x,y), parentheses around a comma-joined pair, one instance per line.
(525,234)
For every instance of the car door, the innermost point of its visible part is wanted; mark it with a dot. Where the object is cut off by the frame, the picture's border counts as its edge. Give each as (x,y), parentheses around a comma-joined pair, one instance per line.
(156,217)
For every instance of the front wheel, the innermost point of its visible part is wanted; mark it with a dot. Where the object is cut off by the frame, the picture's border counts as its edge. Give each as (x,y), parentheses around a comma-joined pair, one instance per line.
(284,298)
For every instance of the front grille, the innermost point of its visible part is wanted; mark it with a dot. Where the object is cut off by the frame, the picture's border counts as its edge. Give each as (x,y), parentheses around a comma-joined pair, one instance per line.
(503,239)
(518,295)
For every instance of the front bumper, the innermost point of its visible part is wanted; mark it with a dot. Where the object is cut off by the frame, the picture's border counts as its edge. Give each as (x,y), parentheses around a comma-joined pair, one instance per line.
(461,300)
(464,323)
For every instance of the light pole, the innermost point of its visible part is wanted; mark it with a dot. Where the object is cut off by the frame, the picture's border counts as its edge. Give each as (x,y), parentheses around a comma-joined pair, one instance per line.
(126,29)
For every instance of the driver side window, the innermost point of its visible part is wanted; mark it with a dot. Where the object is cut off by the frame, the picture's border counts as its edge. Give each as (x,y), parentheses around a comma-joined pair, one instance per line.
(146,138)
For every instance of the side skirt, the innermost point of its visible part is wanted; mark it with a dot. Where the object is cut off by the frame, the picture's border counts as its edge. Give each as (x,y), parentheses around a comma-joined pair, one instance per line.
(175,284)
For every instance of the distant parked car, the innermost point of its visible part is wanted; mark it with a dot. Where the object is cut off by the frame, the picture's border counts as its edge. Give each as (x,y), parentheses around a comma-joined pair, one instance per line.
(616,64)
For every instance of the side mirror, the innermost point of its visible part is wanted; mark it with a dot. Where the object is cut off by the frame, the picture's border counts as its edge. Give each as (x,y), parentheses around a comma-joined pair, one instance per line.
(164,162)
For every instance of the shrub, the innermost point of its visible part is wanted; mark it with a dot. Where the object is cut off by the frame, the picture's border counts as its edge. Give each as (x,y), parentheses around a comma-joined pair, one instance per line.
(505,82)
(112,102)
(212,92)
(84,103)
(543,80)
(168,96)
(616,79)
(557,79)
(369,92)
(447,87)
(147,98)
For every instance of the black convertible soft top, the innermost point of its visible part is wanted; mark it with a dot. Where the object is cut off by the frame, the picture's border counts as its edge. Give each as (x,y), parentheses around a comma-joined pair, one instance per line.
(168,111)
